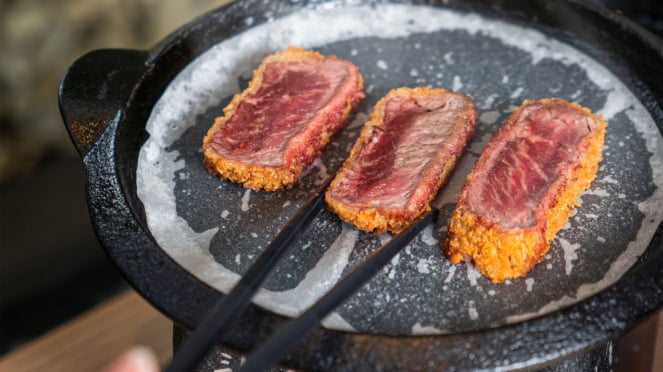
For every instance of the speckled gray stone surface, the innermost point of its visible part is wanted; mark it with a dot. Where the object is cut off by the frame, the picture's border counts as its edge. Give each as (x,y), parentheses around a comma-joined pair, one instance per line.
(128,110)
(420,292)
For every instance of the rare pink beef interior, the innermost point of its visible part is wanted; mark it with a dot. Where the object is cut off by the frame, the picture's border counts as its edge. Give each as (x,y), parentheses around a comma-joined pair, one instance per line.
(523,162)
(392,168)
(269,126)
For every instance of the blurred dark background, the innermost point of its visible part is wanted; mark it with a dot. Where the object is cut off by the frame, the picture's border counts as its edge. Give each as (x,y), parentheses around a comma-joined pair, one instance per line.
(51,265)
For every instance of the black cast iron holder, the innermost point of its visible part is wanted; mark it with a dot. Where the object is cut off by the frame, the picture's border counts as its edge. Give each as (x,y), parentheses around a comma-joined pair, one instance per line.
(106,97)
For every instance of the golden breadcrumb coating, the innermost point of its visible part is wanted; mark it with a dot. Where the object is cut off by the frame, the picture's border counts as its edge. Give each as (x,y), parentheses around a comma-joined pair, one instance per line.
(270,178)
(379,219)
(500,253)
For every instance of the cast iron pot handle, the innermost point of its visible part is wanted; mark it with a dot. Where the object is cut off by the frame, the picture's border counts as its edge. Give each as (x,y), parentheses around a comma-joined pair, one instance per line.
(95,89)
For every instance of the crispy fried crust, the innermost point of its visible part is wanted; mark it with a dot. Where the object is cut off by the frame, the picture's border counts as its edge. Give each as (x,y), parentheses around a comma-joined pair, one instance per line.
(379,219)
(270,178)
(501,253)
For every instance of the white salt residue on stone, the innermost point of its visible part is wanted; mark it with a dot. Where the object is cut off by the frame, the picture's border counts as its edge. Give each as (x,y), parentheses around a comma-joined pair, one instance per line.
(516,93)
(317,281)
(382,65)
(505,79)
(491,292)
(427,236)
(205,93)
(394,264)
(208,77)
(489,117)
(384,238)
(478,146)
(549,266)
(422,265)
(414,72)
(335,321)
(529,282)
(254,235)
(448,58)
(472,311)
(472,274)
(323,172)
(225,214)
(570,254)
(616,270)
(457,180)
(596,191)
(418,329)
(246,198)
(457,84)
(452,271)
(609,179)
(609,353)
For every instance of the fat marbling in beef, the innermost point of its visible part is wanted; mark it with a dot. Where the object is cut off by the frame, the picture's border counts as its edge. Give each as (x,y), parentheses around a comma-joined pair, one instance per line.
(275,128)
(402,157)
(524,186)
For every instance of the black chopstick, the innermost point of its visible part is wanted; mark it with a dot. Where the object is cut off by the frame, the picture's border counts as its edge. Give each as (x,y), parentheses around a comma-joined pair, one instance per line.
(228,308)
(286,338)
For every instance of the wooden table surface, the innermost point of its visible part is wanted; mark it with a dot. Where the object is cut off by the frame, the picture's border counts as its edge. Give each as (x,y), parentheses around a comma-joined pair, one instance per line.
(91,341)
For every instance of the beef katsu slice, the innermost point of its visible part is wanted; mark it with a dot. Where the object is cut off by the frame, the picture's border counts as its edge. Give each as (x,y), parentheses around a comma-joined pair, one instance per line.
(402,157)
(280,123)
(524,186)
